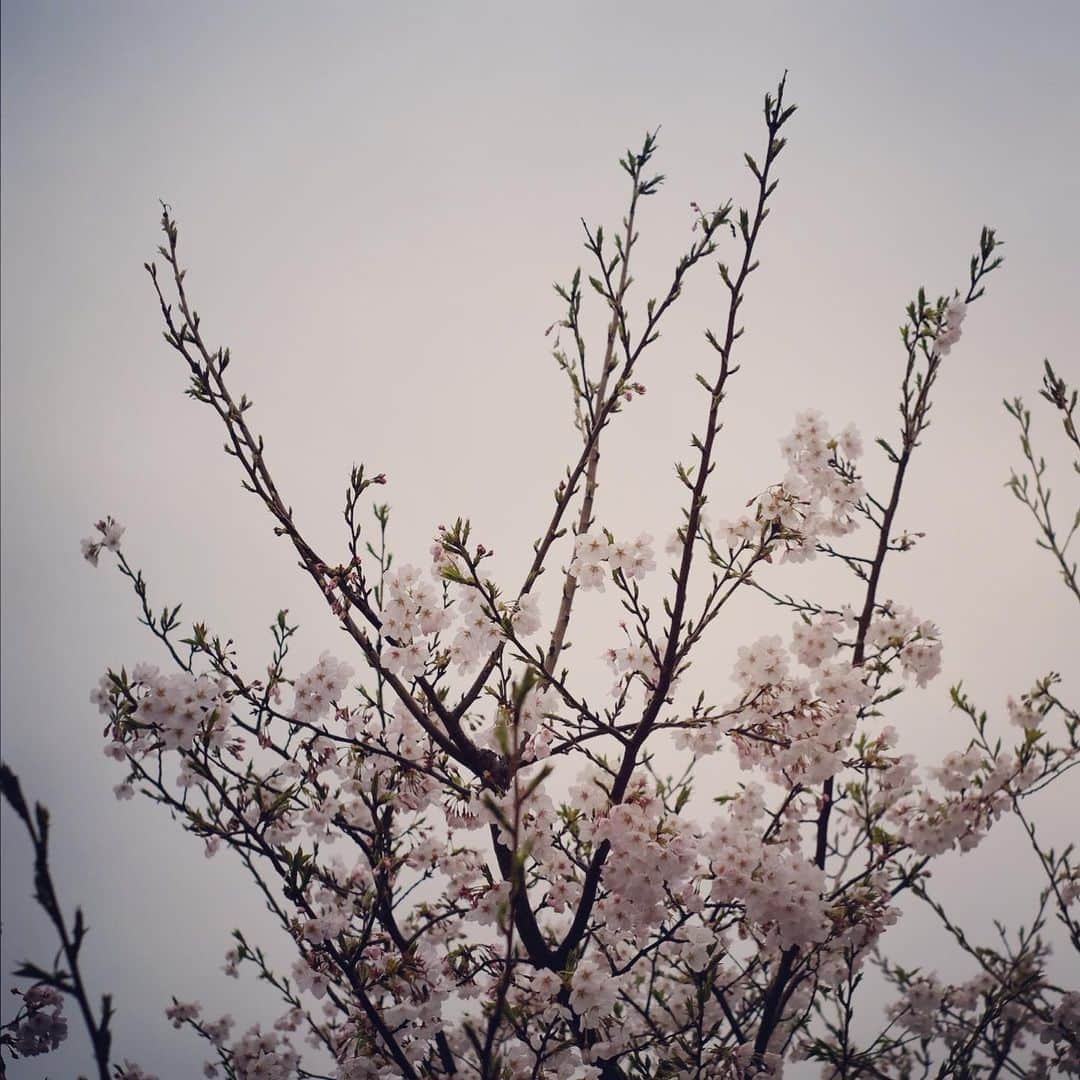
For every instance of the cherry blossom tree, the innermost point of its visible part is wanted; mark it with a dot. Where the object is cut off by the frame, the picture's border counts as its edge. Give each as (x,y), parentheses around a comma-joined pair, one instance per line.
(483,872)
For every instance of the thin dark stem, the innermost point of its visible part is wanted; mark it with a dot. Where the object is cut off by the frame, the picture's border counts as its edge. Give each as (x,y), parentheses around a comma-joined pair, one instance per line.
(69,982)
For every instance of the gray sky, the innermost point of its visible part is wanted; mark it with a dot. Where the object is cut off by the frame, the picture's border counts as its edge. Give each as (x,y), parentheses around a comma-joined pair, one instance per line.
(374,200)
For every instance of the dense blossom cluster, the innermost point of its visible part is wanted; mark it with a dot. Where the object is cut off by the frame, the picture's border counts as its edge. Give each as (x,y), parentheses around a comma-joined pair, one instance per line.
(780,888)
(817,499)
(978,791)
(416,612)
(631,558)
(929,1008)
(263,1055)
(43,1026)
(793,727)
(1060,1048)
(317,690)
(167,711)
(916,643)
(949,331)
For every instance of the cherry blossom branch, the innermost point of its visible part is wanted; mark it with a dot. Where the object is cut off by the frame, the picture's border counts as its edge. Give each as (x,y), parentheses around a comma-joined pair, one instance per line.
(634,164)
(928,335)
(776,115)
(208,386)
(1037,497)
(70,981)
(604,408)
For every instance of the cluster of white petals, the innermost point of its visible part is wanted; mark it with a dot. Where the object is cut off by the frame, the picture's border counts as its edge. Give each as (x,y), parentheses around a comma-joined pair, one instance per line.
(949,332)
(416,612)
(779,888)
(412,606)
(820,482)
(318,689)
(814,642)
(263,1055)
(632,558)
(652,854)
(593,991)
(526,618)
(918,641)
(1060,1033)
(977,794)
(765,663)
(817,499)
(44,1027)
(175,708)
(478,632)
(630,662)
(788,726)
(182,1012)
(1026,713)
(109,539)
(413,612)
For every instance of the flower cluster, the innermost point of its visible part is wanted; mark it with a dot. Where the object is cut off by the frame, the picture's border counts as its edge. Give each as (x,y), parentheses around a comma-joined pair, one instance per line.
(780,889)
(178,707)
(818,498)
(978,793)
(632,558)
(1059,1032)
(318,689)
(764,663)
(413,612)
(44,1027)
(91,546)
(167,711)
(653,854)
(821,482)
(593,991)
(526,618)
(786,725)
(263,1055)
(182,1012)
(1029,713)
(630,662)
(949,331)
(815,642)
(478,633)
(412,607)
(916,642)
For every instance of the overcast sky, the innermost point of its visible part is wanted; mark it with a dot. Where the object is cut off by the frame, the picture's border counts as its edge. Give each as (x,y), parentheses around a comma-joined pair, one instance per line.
(374,200)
